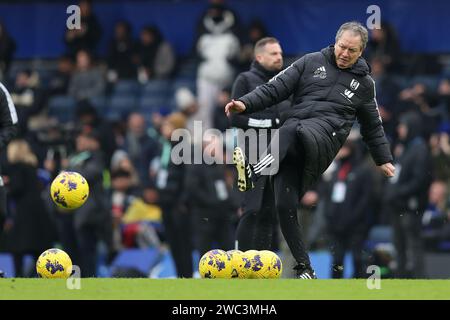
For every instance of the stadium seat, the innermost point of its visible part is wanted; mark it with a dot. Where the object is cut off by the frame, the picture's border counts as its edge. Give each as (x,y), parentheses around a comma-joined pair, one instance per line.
(188,70)
(321,261)
(431,82)
(156,88)
(7,264)
(121,104)
(45,76)
(436,265)
(150,103)
(180,83)
(99,103)
(62,107)
(137,261)
(379,234)
(131,87)
(166,266)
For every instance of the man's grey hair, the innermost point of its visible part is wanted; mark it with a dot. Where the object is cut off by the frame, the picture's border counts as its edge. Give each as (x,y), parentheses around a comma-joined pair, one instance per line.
(357,28)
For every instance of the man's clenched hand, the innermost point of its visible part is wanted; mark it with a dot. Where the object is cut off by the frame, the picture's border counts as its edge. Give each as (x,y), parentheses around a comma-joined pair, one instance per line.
(234,106)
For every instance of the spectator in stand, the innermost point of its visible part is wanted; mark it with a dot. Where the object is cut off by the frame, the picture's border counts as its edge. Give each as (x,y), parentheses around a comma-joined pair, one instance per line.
(123,193)
(88,120)
(217,48)
(387,92)
(170,181)
(420,98)
(122,59)
(444,97)
(59,83)
(256,31)
(219,12)
(88,35)
(121,161)
(7,49)
(348,207)
(220,119)
(141,148)
(30,227)
(87,81)
(440,152)
(209,198)
(90,223)
(156,57)
(187,103)
(27,97)
(435,216)
(406,194)
(384,44)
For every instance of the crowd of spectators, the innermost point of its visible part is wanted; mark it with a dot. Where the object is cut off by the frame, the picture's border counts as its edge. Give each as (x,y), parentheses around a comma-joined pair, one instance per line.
(110,118)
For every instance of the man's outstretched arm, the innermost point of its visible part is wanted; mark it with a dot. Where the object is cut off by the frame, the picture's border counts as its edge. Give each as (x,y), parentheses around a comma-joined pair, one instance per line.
(373,134)
(279,88)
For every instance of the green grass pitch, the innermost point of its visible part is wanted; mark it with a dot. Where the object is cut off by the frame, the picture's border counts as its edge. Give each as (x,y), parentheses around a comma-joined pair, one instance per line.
(221,289)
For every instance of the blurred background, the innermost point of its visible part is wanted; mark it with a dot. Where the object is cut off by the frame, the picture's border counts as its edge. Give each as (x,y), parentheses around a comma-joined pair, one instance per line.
(103,99)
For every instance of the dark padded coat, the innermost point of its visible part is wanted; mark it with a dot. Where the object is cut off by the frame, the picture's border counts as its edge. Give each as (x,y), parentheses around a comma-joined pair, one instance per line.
(8,130)
(409,193)
(247,81)
(326,101)
(8,118)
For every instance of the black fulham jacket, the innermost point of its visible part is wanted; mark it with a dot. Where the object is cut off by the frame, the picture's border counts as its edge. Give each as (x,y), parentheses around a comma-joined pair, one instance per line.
(247,81)
(326,100)
(8,118)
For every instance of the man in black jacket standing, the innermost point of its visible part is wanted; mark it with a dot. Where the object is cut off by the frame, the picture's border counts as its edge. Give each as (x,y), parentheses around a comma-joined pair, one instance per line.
(8,130)
(331,89)
(349,197)
(256,224)
(406,195)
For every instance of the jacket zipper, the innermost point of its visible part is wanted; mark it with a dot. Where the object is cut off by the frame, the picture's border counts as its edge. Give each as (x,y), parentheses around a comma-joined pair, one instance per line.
(334,84)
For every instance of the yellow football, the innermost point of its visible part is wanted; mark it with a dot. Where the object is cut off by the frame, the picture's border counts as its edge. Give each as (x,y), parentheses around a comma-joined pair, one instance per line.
(215,264)
(54,263)
(69,190)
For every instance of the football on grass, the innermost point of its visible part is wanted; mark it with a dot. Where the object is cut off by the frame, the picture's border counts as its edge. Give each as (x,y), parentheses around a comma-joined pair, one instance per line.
(54,263)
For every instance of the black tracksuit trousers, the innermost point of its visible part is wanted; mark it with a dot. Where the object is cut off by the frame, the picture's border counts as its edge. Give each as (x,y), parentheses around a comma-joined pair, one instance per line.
(286,184)
(256,226)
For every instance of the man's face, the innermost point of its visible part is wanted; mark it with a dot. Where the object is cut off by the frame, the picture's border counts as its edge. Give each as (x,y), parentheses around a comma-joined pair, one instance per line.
(347,49)
(136,124)
(167,129)
(271,57)
(83,60)
(121,183)
(402,131)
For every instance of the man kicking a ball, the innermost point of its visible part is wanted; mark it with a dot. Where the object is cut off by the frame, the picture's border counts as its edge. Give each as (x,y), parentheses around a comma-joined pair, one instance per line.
(331,89)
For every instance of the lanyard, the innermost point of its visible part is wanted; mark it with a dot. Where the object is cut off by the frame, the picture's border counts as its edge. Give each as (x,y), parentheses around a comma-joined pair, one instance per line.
(165,155)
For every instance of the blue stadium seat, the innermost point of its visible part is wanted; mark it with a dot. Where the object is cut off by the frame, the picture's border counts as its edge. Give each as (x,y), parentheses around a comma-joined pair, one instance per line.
(379,234)
(131,87)
(150,102)
(188,70)
(122,104)
(157,88)
(100,103)
(45,76)
(62,107)
(141,260)
(431,82)
(180,83)
(7,264)
(321,261)
(166,266)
